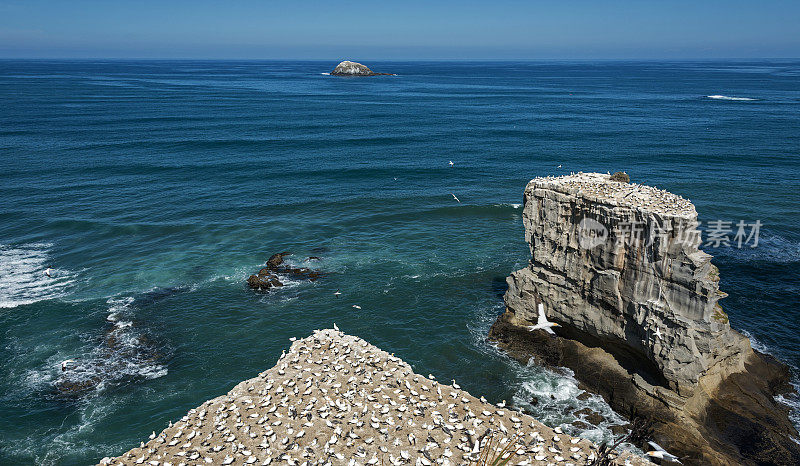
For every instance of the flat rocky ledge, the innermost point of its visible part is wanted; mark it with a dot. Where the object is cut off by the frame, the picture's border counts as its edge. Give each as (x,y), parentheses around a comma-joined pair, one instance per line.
(599,187)
(336,399)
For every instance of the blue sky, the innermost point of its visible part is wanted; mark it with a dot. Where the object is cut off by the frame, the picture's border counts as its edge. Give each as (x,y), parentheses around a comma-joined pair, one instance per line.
(408,29)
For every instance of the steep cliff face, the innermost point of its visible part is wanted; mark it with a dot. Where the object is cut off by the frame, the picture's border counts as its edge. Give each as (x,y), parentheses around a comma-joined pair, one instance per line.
(621,262)
(617,265)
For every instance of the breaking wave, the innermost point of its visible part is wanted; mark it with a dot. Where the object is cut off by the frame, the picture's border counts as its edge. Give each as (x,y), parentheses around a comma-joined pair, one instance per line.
(725,97)
(125,353)
(23,279)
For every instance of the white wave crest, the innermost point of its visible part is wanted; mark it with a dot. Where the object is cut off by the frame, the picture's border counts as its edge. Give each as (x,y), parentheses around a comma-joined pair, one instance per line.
(22,275)
(725,97)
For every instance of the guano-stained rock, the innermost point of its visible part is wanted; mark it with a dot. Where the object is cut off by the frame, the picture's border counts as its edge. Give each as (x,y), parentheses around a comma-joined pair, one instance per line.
(618,266)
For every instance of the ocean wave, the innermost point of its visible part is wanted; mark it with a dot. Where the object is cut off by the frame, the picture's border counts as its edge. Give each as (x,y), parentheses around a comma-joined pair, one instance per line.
(725,97)
(23,279)
(126,353)
(556,392)
(770,248)
(791,400)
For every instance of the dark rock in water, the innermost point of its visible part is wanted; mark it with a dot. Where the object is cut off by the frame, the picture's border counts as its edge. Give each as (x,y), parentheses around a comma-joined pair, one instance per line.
(313,258)
(617,429)
(582,425)
(534,401)
(268,276)
(584,396)
(277,259)
(259,282)
(590,416)
(351,68)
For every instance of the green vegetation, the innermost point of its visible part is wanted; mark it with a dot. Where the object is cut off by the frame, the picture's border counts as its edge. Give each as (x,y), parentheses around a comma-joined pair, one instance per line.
(719,315)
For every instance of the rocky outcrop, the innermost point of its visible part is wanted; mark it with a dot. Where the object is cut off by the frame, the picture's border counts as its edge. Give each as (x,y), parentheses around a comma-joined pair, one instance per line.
(618,266)
(351,68)
(269,276)
(335,399)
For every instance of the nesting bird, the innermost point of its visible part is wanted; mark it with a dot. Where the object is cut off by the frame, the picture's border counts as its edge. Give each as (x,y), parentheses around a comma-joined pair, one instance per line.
(335,399)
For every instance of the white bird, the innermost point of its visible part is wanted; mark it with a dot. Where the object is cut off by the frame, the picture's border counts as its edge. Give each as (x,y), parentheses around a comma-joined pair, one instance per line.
(49,272)
(64,364)
(454,197)
(658,333)
(335,327)
(356,306)
(455,385)
(543,323)
(559,166)
(337,293)
(662,454)
(451,163)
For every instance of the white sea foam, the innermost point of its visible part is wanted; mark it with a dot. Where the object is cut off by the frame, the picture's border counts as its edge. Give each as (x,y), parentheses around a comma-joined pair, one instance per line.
(22,275)
(725,97)
(556,392)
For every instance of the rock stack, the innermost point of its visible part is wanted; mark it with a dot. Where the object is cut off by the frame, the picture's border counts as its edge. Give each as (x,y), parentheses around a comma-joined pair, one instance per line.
(618,267)
(351,68)
(335,399)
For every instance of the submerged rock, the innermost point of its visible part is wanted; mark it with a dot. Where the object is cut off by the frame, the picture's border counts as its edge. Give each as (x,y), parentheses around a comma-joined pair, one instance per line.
(617,266)
(351,68)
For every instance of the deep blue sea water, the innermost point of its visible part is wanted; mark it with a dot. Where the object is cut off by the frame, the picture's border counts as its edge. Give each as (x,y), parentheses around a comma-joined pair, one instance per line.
(154,188)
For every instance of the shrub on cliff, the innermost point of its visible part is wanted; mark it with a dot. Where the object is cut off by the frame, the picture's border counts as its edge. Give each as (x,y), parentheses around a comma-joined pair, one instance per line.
(622,177)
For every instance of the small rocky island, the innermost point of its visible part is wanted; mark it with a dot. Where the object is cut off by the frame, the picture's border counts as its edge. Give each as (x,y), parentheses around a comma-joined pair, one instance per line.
(271,275)
(351,68)
(618,267)
(334,399)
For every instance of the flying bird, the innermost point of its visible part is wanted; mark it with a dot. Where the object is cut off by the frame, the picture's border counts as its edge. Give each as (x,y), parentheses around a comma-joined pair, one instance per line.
(662,454)
(356,306)
(543,323)
(559,166)
(49,272)
(337,293)
(451,163)
(454,197)
(658,333)
(65,364)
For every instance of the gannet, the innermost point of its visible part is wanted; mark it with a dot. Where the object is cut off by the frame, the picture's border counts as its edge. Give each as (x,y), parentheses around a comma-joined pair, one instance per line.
(454,197)
(337,293)
(356,306)
(559,166)
(662,454)
(658,333)
(65,363)
(451,163)
(543,323)
(49,272)
(335,327)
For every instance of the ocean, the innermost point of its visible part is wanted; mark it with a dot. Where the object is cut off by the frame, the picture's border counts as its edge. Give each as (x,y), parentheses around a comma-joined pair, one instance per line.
(154,188)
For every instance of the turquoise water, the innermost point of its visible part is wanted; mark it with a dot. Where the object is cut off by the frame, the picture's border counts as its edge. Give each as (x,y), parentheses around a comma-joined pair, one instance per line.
(154,188)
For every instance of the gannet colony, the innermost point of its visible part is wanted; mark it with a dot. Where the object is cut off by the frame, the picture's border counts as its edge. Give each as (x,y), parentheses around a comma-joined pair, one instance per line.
(335,399)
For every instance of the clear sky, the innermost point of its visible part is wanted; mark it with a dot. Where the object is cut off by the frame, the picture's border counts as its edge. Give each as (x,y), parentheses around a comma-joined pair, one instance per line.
(401,29)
